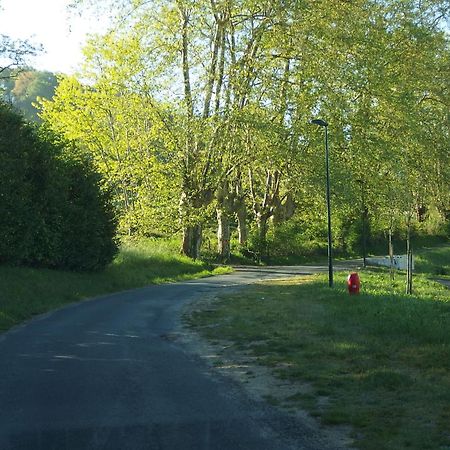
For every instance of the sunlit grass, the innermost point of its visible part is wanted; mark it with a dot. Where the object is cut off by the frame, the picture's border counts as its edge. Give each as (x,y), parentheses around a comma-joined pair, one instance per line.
(381,358)
(25,292)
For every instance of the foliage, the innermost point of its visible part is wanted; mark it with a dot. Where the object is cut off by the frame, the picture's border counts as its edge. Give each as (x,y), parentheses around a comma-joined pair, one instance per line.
(125,140)
(199,111)
(53,210)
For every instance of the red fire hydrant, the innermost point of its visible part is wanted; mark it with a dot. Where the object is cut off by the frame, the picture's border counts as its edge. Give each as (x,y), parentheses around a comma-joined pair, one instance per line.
(353,283)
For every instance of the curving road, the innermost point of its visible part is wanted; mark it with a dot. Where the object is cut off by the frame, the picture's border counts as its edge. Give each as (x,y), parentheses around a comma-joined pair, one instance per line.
(102,374)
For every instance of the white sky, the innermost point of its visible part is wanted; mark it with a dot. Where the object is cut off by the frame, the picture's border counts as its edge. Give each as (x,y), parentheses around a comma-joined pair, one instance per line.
(47,22)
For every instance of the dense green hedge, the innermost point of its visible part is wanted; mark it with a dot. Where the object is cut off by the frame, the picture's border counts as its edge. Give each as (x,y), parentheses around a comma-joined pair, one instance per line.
(53,212)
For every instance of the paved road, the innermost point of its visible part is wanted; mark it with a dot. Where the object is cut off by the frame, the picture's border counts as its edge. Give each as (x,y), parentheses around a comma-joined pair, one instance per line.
(443,281)
(103,375)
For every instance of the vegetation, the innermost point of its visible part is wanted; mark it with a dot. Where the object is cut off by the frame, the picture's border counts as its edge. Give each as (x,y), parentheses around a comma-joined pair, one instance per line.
(26,292)
(197,114)
(53,212)
(192,118)
(378,361)
(434,261)
(20,84)
(23,86)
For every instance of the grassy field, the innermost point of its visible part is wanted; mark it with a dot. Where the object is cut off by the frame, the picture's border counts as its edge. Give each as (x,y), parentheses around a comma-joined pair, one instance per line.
(379,362)
(25,292)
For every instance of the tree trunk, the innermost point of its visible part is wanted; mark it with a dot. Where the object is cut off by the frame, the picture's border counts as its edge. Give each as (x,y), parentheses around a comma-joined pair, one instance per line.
(185,58)
(192,240)
(224,211)
(262,221)
(223,235)
(212,71)
(409,278)
(241,215)
(391,254)
(192,232)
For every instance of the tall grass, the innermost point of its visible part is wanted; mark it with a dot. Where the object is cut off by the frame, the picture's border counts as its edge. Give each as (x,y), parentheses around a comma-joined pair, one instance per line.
(25,292)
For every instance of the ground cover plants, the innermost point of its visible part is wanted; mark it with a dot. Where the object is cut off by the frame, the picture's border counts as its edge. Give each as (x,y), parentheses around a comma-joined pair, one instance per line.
(26,292)
(378,361)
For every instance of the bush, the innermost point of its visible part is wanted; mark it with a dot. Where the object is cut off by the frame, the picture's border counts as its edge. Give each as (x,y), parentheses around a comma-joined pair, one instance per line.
(53,212)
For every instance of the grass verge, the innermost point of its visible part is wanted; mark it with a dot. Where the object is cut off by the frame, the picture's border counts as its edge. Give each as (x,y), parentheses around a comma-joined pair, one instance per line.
(26,292)
(434,261)
(381,360)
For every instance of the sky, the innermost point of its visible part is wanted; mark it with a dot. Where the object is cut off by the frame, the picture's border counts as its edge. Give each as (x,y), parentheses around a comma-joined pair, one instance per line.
(47,22)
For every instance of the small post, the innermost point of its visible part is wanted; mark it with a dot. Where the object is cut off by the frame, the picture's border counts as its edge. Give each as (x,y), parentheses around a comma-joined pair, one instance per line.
(330,245)
(391,254)
(408,257)
(363,219)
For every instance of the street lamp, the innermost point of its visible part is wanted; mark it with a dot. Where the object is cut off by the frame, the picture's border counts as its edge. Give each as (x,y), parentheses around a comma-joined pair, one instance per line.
(363,218)
(323,123)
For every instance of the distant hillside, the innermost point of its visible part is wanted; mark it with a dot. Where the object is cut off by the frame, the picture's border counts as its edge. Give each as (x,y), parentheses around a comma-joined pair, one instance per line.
(21,87)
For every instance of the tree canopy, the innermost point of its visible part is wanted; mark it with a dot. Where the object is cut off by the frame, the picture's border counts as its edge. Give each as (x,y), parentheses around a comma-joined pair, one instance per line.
(198,112)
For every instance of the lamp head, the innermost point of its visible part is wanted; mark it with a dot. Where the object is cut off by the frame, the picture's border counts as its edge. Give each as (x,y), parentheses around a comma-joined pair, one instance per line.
(320,122)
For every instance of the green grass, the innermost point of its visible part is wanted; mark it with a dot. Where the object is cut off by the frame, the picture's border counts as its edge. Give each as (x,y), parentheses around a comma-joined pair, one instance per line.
(381,358)
(26,292)
(433,261)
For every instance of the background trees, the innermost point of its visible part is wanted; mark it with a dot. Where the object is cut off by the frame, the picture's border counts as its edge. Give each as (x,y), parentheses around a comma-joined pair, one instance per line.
(23,86)
(20,84)
(198,112)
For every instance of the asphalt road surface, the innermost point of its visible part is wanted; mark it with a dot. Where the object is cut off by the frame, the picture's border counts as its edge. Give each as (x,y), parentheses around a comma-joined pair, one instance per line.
(102,374)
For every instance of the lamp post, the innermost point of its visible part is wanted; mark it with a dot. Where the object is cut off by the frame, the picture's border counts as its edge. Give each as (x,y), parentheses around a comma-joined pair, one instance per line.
(323,123)
(363,218)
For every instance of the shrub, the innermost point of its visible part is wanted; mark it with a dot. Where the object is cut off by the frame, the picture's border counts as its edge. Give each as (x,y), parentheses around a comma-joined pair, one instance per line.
(53,212)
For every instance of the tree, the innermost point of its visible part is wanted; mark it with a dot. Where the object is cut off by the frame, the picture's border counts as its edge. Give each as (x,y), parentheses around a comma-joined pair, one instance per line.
(371,81)
(126,137)
(198,124)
